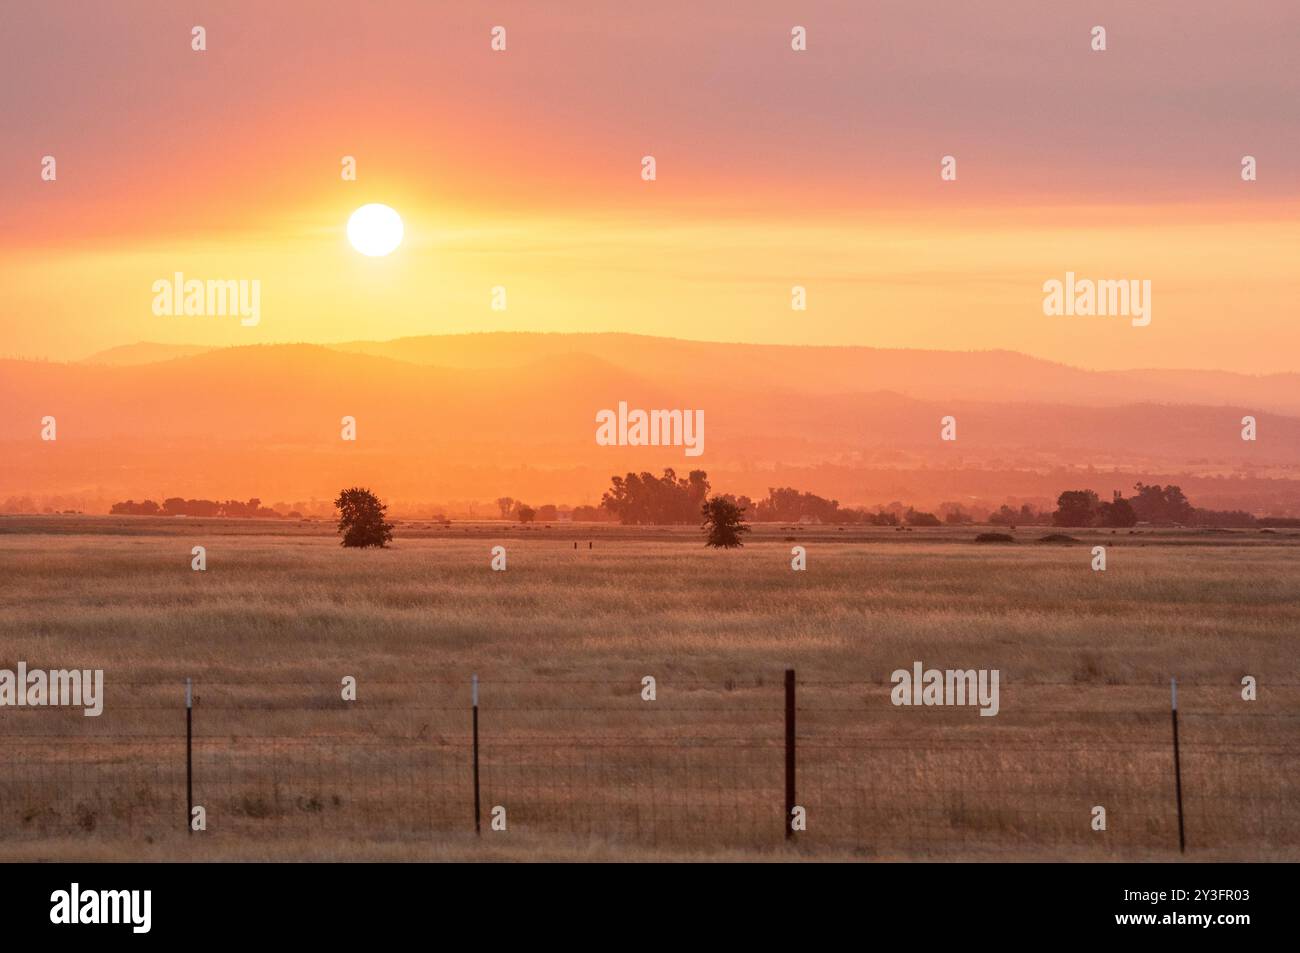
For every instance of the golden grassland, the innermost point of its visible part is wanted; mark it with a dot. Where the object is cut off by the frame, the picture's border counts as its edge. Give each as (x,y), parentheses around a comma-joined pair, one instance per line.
(589,770)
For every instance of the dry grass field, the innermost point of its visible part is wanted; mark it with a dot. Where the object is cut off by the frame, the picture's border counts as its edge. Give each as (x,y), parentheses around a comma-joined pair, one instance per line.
(587,769)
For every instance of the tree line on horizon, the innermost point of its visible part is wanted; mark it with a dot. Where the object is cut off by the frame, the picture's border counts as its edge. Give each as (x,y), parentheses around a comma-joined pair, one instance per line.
(512,509)
(645,499)
(177,506)
(1152,504)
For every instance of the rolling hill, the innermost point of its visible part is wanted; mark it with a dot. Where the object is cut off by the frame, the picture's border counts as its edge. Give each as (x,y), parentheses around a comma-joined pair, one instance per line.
(477,416)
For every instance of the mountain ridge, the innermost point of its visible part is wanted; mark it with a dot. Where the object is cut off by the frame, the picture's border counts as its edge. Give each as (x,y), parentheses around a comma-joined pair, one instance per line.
(996,374)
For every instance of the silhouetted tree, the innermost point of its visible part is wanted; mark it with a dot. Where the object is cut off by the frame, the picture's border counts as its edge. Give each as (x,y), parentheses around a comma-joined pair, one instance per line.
(1118,512)
(506,503)
(645,498)
(1030,517)
(361,518)
(1005,516)
(1161,504)
(787,505)
(917,518)
(724,523)
(526,513)
(1075,508)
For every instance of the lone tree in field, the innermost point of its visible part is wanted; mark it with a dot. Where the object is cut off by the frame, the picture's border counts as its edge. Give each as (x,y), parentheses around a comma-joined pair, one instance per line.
(361,518)
(724,523)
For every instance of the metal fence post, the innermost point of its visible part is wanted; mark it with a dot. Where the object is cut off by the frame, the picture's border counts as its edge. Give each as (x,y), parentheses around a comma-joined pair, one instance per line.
(189,756)
(478,813)
(789,753)
(1178,767)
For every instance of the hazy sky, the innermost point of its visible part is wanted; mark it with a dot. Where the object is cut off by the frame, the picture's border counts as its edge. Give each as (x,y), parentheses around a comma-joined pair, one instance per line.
(522,169)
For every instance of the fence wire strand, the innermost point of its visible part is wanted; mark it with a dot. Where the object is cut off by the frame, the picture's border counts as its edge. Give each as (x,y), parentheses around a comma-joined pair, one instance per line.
(703,767)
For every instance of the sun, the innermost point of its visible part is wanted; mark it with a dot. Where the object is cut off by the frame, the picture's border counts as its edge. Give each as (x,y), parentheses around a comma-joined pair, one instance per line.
(375,230)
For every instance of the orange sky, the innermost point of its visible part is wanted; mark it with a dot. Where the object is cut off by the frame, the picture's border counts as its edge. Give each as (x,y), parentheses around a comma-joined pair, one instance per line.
(521,169)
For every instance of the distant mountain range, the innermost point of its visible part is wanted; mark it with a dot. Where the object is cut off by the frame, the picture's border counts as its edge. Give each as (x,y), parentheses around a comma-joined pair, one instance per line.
(472,417)
(934,375)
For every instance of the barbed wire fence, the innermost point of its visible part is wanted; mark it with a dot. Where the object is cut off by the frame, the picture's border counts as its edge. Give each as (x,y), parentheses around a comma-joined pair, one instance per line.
(705,765)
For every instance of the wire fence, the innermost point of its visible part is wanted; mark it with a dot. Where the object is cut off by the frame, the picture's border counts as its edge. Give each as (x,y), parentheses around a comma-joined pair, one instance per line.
(701,766)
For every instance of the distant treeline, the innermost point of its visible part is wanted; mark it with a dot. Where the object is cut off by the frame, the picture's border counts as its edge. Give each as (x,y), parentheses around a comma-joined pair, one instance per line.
(1153,504)
(175,506)
(638,499)
(645,499)
(546,513)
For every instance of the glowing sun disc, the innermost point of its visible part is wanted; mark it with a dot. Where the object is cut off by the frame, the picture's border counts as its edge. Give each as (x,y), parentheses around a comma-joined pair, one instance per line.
(375,230)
